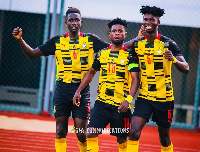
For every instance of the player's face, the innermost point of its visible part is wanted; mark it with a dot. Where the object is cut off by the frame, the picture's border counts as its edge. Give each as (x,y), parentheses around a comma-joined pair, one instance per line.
(117,34)
(150,23)
(73,22)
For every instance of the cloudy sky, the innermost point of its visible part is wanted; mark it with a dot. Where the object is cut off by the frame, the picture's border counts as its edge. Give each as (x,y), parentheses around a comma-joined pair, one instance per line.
(178,12)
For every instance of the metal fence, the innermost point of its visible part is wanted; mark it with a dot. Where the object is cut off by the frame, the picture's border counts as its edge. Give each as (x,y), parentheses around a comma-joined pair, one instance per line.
(22,81)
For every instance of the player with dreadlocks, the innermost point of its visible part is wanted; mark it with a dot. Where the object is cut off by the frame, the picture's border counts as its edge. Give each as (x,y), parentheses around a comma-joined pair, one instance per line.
(115,89)
(154,54)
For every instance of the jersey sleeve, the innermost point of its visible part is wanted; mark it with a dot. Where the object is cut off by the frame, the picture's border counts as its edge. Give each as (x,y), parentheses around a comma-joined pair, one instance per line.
(174,48)
(133,61)
(99,44)
(96,64)
(49,47)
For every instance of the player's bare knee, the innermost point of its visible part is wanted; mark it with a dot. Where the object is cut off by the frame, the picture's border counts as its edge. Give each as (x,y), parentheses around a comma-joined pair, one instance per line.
(134,134)
(62,133)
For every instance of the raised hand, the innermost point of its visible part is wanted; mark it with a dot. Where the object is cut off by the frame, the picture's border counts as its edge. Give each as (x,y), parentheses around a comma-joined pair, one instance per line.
(17,33)
(142,32)
(168,55)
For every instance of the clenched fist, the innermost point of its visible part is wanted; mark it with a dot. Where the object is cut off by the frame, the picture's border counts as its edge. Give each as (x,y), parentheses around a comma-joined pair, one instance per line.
(17,33)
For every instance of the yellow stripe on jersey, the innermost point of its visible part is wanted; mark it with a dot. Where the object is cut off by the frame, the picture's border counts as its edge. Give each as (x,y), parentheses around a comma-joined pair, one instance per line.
(115,79)
(156,81)
(73,59)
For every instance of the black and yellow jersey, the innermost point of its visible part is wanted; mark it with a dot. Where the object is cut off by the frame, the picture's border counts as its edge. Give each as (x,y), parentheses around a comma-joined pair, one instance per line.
(115,78)
(156,80)
(74,57)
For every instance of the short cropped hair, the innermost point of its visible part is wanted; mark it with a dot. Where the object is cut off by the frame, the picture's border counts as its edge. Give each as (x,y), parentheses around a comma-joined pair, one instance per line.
(117,21)
(72,10)
(155,11)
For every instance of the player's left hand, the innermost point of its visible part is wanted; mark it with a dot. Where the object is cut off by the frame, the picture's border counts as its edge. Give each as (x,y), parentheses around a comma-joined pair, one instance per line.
(123,106)
(168,55)
(76,99)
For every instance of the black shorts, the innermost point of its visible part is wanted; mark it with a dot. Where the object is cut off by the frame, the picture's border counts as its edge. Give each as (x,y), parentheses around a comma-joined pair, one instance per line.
(63,101)
(102,114)
(161,112)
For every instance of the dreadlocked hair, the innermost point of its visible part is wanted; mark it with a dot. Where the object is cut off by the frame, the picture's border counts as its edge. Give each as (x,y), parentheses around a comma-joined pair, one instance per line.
(117,21)
(156,11)
(73,10)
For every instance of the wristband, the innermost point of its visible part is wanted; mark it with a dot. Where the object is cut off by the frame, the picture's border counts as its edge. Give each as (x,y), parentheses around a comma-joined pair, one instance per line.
(174,60)
(129,98)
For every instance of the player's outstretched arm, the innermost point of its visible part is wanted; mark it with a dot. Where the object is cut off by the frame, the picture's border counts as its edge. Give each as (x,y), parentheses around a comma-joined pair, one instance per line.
(30,52)
(86,80)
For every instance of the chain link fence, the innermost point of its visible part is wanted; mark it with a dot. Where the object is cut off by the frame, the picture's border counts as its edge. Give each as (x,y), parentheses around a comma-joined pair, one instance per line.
(21,85)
